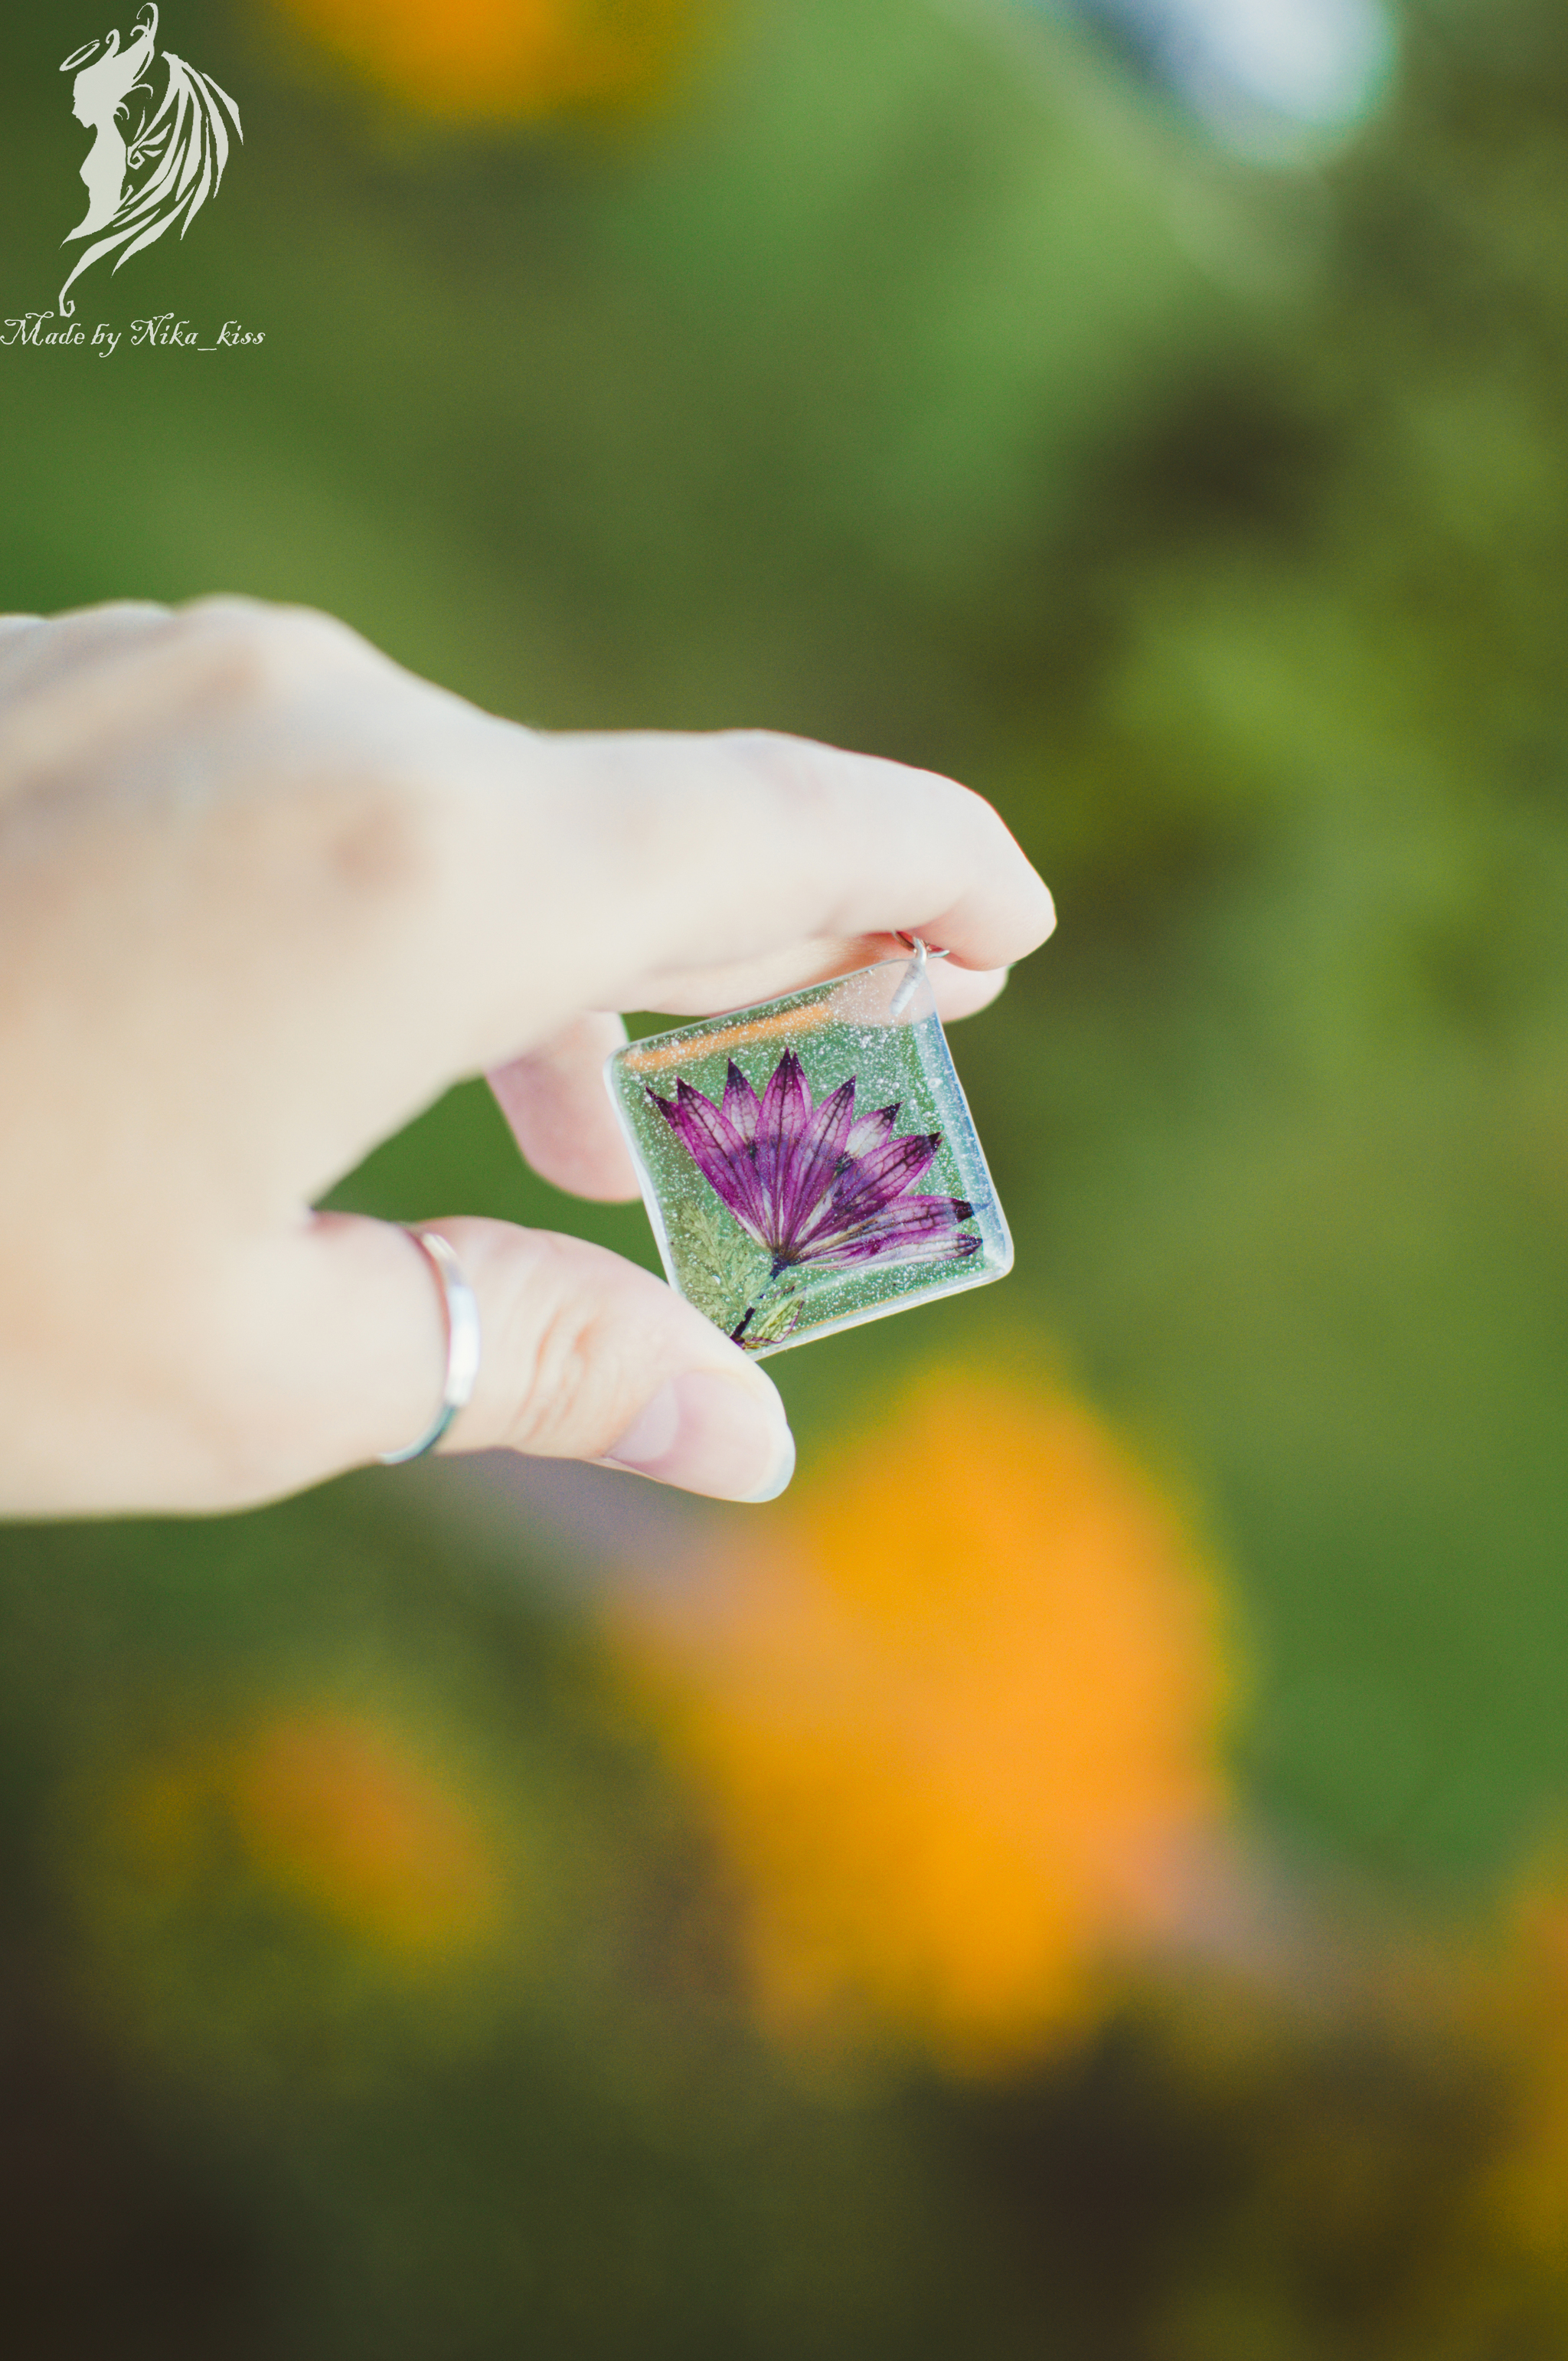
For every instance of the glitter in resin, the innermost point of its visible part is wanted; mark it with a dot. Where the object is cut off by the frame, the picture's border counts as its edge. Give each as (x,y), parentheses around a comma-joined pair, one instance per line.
(811,1163)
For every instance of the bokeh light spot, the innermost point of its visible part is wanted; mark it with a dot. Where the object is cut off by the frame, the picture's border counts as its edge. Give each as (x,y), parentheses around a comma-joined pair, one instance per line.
(507,59)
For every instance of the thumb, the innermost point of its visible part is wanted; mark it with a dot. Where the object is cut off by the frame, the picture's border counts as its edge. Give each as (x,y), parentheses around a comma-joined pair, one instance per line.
(583,1355)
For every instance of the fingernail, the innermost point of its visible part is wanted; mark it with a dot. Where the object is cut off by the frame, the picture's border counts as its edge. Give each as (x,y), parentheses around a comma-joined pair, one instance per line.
(709,1433)
(779,1481)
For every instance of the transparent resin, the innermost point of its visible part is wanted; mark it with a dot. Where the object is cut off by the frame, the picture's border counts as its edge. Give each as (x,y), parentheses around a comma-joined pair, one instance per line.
(811,1163)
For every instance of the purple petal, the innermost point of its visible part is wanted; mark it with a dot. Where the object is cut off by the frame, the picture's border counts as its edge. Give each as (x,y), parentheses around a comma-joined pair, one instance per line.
(872,1130)
(781,1120)
(813,1166)
(915,1229)
(719,1153)
(741,1105)
(864,1187)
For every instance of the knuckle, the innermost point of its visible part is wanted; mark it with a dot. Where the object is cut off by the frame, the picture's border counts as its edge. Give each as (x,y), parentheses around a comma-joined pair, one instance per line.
(788,770)
(551,1379)
(325,804)
(374,840)
(262,656)
(770,753)
(568,1373)
(331,844)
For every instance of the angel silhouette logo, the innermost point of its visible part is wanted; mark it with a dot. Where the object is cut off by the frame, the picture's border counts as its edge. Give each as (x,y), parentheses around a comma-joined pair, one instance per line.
(154,161)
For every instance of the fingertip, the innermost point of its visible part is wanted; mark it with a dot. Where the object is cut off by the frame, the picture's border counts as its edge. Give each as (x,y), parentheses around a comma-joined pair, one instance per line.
(710,1432)
(961,991)
(557,1110)
(779,1481)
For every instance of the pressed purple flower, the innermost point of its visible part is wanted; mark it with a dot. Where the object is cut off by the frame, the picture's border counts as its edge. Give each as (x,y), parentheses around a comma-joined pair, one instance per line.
(817,1185)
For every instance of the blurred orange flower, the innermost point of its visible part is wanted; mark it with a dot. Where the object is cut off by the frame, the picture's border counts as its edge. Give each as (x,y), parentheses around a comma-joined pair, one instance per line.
(340,1812)
(332,1810)
(507,59)
(956,1707)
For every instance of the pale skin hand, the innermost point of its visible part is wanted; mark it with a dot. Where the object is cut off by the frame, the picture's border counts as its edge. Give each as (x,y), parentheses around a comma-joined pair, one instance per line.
(263,895)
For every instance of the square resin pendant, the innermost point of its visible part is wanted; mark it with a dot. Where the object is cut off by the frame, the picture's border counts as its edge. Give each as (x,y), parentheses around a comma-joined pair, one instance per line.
(811,1163)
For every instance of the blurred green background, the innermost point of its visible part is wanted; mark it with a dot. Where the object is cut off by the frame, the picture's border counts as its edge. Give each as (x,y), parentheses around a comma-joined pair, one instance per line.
(380,1958)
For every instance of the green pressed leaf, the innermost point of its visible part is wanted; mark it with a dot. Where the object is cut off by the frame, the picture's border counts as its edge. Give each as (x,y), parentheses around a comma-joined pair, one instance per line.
(721,1269)
(772,1325)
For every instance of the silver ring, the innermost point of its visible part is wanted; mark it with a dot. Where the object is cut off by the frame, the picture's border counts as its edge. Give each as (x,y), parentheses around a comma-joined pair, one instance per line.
(462,1315)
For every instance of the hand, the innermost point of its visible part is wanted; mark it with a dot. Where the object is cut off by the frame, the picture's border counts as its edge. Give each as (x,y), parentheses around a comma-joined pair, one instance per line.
(263,896)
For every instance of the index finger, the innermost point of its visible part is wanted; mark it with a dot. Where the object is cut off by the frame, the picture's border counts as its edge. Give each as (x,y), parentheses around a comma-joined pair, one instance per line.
(684,873)
(720,851)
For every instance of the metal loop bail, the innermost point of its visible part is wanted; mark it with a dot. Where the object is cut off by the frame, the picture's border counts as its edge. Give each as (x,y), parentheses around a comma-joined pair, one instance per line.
(910,982)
